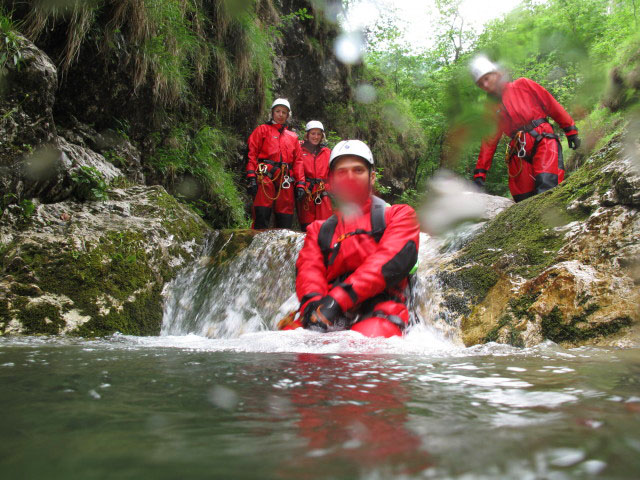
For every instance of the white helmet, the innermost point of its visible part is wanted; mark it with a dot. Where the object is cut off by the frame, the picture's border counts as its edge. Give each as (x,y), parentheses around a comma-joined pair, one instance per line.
(281,102)
(351,147)
(314,124)
(480,65)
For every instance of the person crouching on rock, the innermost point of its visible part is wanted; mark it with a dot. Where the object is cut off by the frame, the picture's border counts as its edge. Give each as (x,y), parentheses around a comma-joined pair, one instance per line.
(534,156)
(353,270)
(275,163)
(314,203)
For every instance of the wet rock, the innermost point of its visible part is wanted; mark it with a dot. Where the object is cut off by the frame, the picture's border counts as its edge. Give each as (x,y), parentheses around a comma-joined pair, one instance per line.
(102,270)
(573,272)
(28,95)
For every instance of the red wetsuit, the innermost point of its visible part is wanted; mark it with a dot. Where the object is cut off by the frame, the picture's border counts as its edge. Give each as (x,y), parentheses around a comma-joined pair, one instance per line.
(525,105)
(316,205)
(367,278)
(274,155)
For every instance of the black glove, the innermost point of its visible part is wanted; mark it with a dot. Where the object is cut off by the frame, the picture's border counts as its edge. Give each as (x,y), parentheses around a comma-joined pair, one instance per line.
(574,141)
(479,181)
(321,314)
(300,192)
(252,188)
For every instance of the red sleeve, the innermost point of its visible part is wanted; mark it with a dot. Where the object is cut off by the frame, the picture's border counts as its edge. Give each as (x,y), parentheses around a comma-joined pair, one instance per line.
(391,263)
(311,278)
(485,158)
(298,165)
(553,108)
(256,139)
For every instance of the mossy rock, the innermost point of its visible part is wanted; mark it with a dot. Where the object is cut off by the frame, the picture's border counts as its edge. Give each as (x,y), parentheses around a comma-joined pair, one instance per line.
(97,268)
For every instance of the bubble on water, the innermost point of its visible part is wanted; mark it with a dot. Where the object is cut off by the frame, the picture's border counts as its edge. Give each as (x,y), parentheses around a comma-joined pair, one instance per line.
(8,364)
(450,202)
(94,394)
(223,397)
(349,47)
(365,93)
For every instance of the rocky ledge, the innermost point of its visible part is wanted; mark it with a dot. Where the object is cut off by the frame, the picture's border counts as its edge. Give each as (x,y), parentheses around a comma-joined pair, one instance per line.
(96,267)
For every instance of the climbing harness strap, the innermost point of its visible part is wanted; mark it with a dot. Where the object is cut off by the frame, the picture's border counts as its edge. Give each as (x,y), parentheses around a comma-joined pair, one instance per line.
(316,191)
(325,235)
(279,176)
(518,147)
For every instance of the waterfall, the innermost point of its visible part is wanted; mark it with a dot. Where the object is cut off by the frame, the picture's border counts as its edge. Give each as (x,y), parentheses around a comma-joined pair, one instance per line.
(231,291)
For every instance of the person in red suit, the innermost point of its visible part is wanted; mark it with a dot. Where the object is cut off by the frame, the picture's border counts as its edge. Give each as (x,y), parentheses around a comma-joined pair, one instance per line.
(316,204)
(534,157)
(275,169)
(353,270)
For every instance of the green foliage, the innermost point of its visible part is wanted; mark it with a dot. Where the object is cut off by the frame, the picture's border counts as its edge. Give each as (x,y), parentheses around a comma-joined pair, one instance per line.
(568,46)
(10,53)
(194,166)
(27,206)
(89,184)
(386,124)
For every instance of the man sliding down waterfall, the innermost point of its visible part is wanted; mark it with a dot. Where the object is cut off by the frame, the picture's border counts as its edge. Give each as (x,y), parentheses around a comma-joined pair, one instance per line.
(353,270)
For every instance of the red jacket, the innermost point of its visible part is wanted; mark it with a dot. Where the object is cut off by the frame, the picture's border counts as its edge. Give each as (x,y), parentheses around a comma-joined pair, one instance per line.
(375,267)
(276,143)
(523,101)
(316,166)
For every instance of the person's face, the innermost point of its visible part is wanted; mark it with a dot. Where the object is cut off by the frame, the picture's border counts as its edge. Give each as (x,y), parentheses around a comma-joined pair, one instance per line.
(315,136)
(351,180)
(491,83)
(280,114)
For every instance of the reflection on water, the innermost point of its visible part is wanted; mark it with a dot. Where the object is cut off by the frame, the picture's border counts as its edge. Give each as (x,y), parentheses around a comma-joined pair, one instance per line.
(128,407)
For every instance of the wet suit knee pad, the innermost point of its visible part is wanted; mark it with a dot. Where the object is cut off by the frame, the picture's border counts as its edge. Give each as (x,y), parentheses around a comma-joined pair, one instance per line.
(377,327)
(284,220)
(261,217)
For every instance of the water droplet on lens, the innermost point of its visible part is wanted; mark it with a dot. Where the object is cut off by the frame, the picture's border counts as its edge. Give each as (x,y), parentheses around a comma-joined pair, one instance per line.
(365,93)
(223,397)
(349,47)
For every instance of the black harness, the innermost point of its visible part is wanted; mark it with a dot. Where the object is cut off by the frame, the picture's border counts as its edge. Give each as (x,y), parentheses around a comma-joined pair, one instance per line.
(530,128)
(325,235)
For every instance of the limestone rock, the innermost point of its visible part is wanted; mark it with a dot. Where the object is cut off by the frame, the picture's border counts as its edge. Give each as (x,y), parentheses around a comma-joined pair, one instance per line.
(94,268)
(570,275)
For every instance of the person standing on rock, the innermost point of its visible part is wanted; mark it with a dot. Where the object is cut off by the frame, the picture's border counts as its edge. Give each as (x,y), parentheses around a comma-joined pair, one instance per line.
(316,204)
(534,157)
(275,169)
(353,270)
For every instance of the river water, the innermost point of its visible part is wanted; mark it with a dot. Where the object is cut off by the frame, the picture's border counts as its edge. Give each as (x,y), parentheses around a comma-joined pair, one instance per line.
(301,405)
(219,395)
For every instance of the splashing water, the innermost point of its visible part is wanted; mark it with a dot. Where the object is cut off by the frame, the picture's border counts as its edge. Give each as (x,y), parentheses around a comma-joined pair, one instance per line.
(236,305)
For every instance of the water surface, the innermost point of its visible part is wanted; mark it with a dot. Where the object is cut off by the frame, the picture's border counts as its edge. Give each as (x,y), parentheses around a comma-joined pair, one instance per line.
(301,405)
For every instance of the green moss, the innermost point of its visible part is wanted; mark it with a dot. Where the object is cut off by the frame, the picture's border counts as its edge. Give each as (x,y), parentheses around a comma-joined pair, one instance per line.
(522,240)
(194,167)
(557,329)
(475,281)
(513,336)
(40,318)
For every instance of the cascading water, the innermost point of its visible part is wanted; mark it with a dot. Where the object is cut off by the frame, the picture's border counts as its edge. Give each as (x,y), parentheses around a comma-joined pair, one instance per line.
(224,299)
(256,287)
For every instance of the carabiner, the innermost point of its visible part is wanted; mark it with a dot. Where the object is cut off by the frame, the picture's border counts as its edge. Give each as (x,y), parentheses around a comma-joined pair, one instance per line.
(286,183)
(318,200)
(522,142)
(262,168)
